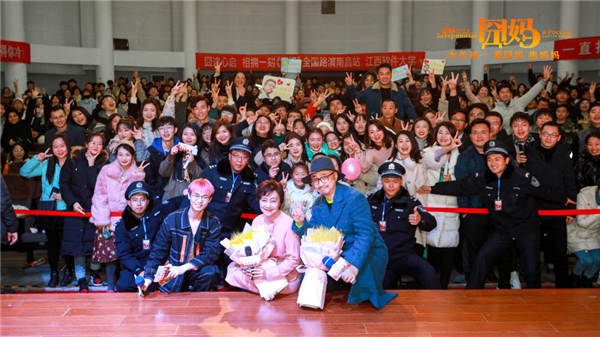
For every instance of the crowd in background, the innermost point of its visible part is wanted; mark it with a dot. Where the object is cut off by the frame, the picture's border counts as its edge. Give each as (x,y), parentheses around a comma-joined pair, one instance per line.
(79,148)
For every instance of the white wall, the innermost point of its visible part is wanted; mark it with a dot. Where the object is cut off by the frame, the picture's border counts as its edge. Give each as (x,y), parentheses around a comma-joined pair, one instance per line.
(356,27)
(52,23)
(240,27)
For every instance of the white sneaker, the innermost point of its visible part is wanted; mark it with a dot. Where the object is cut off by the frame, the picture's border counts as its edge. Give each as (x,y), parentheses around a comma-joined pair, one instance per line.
(515,283)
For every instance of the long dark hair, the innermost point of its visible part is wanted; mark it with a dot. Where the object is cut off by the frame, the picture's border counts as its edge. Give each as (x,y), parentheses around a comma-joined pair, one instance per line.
(54,160)
(293,135)
(429,140)
(254,136)
(216,150)
(387,139)
(415,152)
(448,125)
(140,117)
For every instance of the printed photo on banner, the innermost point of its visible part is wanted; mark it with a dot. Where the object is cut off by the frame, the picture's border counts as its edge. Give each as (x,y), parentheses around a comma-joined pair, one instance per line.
(289,66)
(400,73)
(436,65)
(277,87)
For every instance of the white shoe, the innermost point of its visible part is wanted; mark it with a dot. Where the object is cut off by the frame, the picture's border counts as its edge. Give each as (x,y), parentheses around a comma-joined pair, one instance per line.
(515,283)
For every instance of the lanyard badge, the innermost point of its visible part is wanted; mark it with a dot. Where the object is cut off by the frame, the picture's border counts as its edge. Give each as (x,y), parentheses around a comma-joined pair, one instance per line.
(498,201)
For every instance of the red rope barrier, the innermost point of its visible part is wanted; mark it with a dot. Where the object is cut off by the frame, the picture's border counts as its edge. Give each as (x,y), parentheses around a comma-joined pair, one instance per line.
(250,216)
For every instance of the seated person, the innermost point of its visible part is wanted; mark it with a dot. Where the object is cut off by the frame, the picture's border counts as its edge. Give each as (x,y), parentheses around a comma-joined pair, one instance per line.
(189,241)
(346,209)
(398,216)
(136,230)
(284,258)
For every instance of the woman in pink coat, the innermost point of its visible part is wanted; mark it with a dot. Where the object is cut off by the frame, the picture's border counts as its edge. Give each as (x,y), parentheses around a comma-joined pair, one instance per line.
(284,258)
(109,196)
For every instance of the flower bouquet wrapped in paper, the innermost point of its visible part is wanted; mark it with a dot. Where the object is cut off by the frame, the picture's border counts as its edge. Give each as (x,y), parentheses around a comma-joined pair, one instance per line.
(251,248)
(318,247)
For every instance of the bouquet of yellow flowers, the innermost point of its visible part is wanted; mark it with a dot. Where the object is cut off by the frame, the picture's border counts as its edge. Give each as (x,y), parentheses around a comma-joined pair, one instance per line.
(252,248)
(319,247)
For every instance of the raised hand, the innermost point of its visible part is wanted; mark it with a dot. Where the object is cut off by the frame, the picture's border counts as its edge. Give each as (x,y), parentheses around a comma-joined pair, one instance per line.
(431,77)
(452,81)
(297,214)
(67,106)
(348,79)
(218,68)
(134,87)
(142,166)
(593,88)
(284,179)
(547,73)
(228,86)
(456,142)
(43,155)
(411,80)
(357,106)
(405,126)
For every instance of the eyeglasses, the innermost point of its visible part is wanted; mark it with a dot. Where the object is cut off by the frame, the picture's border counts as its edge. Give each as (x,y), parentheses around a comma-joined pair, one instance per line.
(321,180)
(203,197)
(458,120)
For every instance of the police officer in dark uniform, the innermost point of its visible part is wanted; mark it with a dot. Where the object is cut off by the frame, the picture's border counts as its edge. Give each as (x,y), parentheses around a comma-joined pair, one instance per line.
(135,232)
(398,215)
(235,187)
(511,197)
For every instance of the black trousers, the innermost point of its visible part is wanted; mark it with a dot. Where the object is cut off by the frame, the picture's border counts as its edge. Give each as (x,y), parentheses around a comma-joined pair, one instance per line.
(442,259)
(554,245)
(499,245)
(413,265)
(53,225)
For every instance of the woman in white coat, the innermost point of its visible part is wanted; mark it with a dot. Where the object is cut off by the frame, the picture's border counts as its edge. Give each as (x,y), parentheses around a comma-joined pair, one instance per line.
(439,161)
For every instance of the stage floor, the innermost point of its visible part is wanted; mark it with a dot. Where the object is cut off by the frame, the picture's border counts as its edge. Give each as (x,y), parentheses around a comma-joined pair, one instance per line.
(544,312)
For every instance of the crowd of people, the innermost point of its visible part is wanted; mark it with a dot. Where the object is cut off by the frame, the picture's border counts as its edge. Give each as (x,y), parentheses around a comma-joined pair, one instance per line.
(178,156)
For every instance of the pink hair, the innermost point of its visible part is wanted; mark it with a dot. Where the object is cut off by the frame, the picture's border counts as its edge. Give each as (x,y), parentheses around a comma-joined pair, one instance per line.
(201,186)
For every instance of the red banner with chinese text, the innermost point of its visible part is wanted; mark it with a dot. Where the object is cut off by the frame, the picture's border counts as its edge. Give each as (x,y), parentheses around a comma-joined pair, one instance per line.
(247,62)
(580,48)
(14,51)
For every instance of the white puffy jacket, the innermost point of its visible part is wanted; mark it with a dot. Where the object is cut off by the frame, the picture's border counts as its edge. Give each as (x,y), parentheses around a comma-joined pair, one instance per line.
(445,234)
(584,233)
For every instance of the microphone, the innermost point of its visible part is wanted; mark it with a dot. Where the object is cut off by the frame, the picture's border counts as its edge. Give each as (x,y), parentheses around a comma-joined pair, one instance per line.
(248,251)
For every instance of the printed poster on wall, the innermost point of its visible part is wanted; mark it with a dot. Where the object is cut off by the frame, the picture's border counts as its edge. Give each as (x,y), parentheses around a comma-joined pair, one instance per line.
(277,87)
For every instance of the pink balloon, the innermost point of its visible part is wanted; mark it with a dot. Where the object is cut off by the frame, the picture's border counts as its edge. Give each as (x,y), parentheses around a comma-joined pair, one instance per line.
(351,169)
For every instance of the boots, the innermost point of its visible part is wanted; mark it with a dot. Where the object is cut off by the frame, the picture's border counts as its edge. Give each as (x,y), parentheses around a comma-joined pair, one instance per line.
(83,286)
(53,278)
(66,278)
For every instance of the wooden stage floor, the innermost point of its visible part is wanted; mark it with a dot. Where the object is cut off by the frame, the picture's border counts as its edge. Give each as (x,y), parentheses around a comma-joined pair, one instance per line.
(544,312)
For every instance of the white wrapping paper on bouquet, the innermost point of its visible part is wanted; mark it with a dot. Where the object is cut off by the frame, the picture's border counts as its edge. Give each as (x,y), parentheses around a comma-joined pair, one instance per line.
(316,244)
(261,245)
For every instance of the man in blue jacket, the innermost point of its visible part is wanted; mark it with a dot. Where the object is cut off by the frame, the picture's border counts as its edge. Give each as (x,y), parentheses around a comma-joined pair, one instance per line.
(383,89)
(346,209)
(136,230)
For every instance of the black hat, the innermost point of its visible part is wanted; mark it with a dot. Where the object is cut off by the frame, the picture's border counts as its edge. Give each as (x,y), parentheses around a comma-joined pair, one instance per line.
(320,164)
(494,146)
(241,144)
(391,169)
(137,187)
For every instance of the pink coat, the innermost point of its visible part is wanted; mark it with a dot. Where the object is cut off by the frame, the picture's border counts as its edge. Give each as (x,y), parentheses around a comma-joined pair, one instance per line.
(109,193)
(282,262)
